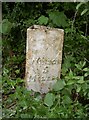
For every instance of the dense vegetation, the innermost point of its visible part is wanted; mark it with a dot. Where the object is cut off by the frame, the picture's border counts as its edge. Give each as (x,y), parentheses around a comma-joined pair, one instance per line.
(70,95)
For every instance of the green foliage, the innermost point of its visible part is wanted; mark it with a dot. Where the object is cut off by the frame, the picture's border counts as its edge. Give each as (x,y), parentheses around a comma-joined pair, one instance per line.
(58,18)
(85,10)
(43,20)
(59,85)
(66,100)
(79,5)
(5,26)
(70,95)
(49,99)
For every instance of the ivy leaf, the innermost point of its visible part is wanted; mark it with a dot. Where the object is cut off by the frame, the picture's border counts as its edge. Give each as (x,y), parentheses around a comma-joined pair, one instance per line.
(49,99)
(59,85)
(43,20)
(5,26)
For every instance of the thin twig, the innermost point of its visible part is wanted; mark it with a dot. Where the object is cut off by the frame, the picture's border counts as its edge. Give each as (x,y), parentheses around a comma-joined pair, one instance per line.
(74,19)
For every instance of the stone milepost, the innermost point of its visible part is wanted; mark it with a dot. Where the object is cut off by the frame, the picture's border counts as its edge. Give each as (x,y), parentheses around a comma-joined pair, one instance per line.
(43,57)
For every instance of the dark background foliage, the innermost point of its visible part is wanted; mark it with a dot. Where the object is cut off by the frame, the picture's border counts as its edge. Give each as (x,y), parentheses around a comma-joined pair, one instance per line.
(73,18)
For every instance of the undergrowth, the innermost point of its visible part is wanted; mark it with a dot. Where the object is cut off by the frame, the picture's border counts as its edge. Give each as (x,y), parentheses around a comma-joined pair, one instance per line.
(69,97)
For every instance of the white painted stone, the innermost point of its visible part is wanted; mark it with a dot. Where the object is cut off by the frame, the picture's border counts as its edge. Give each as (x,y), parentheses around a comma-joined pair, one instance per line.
(43,57)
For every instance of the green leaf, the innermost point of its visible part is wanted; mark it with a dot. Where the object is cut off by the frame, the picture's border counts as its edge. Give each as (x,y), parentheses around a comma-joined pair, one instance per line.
(23,103)
(5,26)
(84,11)
(17,71)
(43,20)
(84,63)
(71,74)
(70,82)
(49,99)
(78,88)
(85,69)
(81,80)
(79,5)
(86,74)
(58,18)
(19,80)
(59,85)
(67,100)
(80,65)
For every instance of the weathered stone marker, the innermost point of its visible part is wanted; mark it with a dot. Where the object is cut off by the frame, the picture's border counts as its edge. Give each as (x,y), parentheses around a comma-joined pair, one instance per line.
(43,57)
